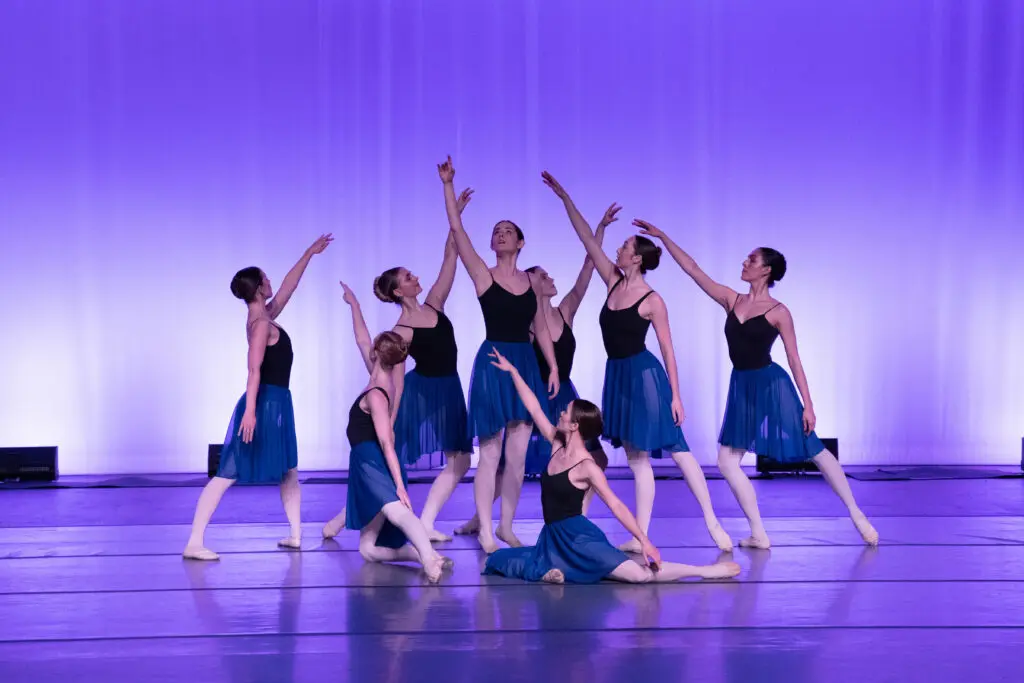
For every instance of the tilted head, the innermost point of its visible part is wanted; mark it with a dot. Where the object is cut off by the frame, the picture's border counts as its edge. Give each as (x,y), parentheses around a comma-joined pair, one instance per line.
(507,238)
(396,284)
(250,284)
(764,264)
(545,283)
(638,251)
(389,349)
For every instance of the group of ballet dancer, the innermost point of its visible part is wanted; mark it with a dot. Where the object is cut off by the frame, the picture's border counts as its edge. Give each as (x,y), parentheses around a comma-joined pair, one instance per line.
(523,410)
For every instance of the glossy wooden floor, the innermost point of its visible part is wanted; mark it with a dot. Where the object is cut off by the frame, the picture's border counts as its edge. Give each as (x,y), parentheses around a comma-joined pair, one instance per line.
(92,588)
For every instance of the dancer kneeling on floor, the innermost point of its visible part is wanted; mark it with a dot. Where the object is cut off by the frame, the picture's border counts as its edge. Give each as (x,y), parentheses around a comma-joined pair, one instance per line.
(570,547)
(378,504)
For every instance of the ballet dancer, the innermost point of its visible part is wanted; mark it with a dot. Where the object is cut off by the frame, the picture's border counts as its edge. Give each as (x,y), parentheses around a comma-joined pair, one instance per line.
(763,413)
(509,302)
(260,443)
(559,320)
(431,410)
(378,505)
(570,547)
(641,403)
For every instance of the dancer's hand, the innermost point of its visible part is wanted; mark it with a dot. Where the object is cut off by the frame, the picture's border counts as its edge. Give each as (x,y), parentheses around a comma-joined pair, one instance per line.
(554,384)
(809,420)
(248,427)
(651,555)
(403,497)
(648,229)
(464,198)
(446,171)
(678,415)
(500,361)
(609,215)
(555,186)
(320,244)
(348,297)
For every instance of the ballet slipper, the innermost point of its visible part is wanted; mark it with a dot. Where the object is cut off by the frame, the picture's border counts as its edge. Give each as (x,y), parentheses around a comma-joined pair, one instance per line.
(202,554)
(720,537)
(553,576)
(436,536)
(291,543)
(509,537)
(720,570)
(867,531)
(758,542)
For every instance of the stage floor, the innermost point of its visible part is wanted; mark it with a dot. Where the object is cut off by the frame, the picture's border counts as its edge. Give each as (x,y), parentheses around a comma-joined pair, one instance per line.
(92,588)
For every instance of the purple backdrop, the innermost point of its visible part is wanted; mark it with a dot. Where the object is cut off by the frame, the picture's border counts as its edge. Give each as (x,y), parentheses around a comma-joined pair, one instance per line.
(150,149)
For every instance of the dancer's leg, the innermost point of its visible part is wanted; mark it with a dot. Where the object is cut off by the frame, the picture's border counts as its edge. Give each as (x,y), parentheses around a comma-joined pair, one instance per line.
(208,501)
(412,527)
(516,444)
(631,572)
(694,476)
(729,465)
(472,527)
(455,468)
(643,481)
(291,497)
(483,490)
(372,553)
(834,475)
(334,527)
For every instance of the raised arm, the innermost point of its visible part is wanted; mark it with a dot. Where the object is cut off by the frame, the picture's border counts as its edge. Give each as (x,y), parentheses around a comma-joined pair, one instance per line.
(658,314)
(605,268)
(291,280)
(438,294)
(526,395)
(719,292)
(359,328)
(783,320)
(377,402)
(398,377)
(475,265)
(259,335)
(571,302)
(542,335)
(593,475)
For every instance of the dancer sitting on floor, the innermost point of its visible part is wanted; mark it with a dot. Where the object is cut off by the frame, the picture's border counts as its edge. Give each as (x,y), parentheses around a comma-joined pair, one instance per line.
(260,445)
(570,547)
(763,414)
(378,505)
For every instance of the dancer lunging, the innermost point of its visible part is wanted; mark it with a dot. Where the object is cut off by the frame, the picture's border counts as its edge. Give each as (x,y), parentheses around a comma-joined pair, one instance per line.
(641,403)
(378,505)
(260,444)
(570,547)
(509,301)
(763,413)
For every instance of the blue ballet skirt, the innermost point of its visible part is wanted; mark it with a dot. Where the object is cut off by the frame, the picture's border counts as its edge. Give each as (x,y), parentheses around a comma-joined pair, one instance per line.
(272,451)
(637,406)
(539,452)
(763,415)
(575,545)
(493,399)
(370,488)
(431,417)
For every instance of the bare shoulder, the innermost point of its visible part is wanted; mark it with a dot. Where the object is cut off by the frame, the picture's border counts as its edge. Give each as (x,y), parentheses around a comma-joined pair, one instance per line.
(403,331)
(779,315)
(653,306)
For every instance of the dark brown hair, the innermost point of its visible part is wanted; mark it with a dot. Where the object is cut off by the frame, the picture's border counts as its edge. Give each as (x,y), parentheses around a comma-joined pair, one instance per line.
(390,349)
(774,260)
(649,253)
(385,284)
(246,283)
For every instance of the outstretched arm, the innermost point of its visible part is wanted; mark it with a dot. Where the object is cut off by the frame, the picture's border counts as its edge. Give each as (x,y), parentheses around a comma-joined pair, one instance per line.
(291,280)
(599,483)
(605,268)
(398,377)
(378,406)
(725,296)
(475,265)
(359,328)
(526,395)
(438,294)
(783,320)
(571,302)
(658,314)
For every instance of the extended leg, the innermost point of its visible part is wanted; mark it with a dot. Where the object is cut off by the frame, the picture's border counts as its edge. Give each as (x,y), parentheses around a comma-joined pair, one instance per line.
(834,475)
(643,480)
(483,490)
(729,464)
(455,468)
(291,497)
(694,476)
(516,444)
(207,505)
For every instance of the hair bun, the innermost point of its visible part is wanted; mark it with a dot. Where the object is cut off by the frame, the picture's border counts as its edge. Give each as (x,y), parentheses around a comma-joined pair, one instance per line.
(377,293)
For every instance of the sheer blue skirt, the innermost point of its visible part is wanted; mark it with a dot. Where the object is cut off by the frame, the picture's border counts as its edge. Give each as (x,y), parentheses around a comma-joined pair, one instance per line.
(370,488)
(637,406)
(272,451)
(431,417)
